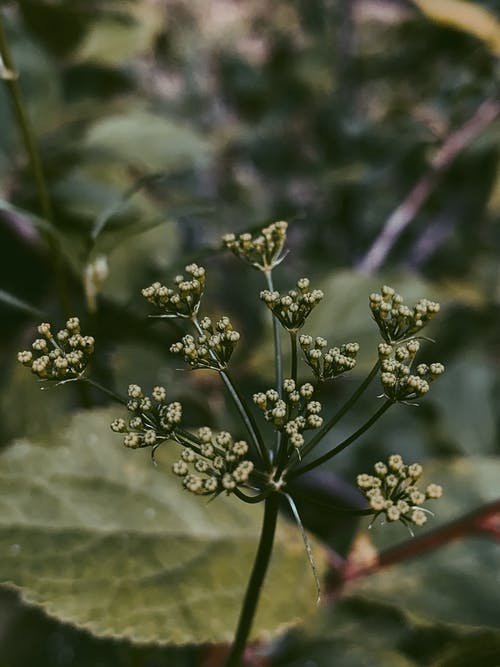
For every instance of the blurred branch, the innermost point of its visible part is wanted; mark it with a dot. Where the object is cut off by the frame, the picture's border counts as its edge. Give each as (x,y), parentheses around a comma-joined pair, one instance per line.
(483,520)
(23,122)
(485,114)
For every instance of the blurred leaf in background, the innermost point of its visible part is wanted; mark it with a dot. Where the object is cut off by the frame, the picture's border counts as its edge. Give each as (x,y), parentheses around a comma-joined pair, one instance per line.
(162,125)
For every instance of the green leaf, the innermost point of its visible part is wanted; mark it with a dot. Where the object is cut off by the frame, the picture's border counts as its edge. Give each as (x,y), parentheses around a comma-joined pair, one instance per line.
(148,141)
(99,538)
(27,410)
(481,649)
(119,38)
(352,633)
(28,217)
(467,406)
(355,632)
(466,16)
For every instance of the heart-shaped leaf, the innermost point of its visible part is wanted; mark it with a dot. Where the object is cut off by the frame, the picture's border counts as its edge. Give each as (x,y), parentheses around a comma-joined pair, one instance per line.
(100,538)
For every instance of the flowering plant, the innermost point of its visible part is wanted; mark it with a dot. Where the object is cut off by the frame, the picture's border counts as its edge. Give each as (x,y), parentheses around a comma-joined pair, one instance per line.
(259,469)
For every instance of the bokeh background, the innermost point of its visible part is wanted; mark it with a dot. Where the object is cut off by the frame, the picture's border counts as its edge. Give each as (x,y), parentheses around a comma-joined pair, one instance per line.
(163,124)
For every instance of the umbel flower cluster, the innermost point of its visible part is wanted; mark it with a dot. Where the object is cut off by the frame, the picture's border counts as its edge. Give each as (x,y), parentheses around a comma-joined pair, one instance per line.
(328,363)
(263,251)
(61,357)
(399,383)
(294,413)
(395,320)
(292,308)
(184,299)
(213,348)
(214,464)
(153,419)
(393,492)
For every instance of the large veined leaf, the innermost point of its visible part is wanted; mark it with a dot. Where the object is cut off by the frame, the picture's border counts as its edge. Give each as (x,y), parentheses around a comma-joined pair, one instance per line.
(466,16)
(100,538)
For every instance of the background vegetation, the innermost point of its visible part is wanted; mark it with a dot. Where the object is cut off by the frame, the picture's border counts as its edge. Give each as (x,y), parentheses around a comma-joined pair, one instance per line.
(162,125)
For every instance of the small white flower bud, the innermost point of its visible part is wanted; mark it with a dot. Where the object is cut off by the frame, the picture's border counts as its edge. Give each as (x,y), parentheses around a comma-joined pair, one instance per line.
(180,468)
(307,390)
(434,491)
(25,357)
(380,468)
(415,471)
(159,393)
(418,517)
(118,425)
(134,391)
(377,503)
(395,462)
(149,437)
(132,440)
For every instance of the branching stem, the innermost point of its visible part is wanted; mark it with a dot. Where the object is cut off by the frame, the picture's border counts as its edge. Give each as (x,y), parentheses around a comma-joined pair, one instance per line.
(116,397)
(243,409)
(340,413)
(345,443)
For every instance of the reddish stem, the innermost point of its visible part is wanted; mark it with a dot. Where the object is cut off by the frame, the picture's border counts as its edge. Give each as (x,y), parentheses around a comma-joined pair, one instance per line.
(485,520)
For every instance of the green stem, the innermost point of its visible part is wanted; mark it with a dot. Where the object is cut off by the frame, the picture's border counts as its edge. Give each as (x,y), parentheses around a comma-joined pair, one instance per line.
(277,339)
(282,441)
(247,417)
(345,443)
(241,406)
(256,581)
(293,348)
(278,365)
(28,138)
(257,498)
(105,390)
(340,413)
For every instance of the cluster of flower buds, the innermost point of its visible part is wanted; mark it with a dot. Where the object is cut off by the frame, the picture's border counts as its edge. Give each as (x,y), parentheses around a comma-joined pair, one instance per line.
(218,462)
(213,348)
(399,383)
(397,321)
(293,308)
(184,299)
(153,419)
(292,414)
(327,363)
(393,491)
(263,251)
(61,357)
